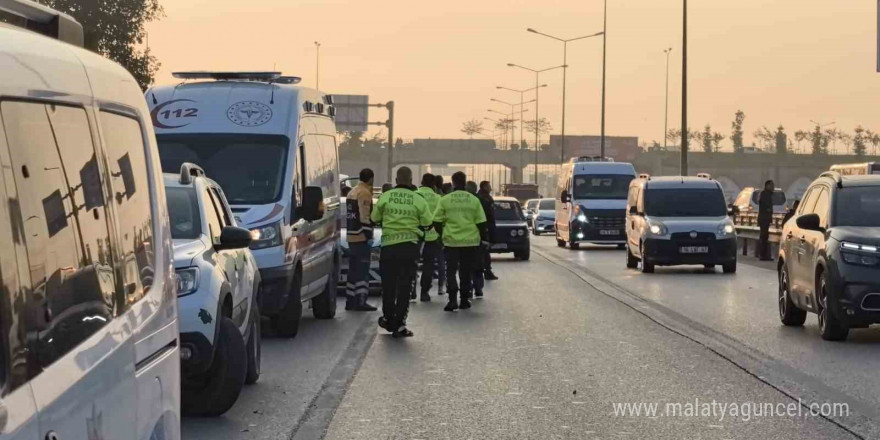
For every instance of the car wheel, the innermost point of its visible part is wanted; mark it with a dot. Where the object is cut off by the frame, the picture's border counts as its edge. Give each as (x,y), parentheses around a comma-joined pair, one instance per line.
(789,314)
(286,322)
(213,392)
(631,261)
(830,326)
(523,255)
(254,348)
(729,267)
(324,305)
(647,266)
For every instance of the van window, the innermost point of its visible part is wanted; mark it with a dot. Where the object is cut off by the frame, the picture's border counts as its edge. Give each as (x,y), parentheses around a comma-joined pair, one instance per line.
(72,280)
(250,167)
(685,202)
(609,186)
(319,162)
(126,158)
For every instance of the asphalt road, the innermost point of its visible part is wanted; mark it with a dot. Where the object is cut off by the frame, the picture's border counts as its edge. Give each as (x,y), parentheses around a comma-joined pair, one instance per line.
(295,371)
(742,309)
(549,352)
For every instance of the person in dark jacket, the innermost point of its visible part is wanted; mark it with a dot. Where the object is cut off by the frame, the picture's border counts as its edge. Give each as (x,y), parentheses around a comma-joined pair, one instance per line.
(488,202)
(765,218)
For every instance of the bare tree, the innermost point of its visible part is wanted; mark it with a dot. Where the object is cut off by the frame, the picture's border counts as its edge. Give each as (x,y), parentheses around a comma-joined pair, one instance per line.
(800,136)
(873,139)
(674,136)
(472,127)
(860,141)
(543,126)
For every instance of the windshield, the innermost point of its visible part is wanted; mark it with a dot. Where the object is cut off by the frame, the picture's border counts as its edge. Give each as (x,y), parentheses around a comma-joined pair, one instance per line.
(183,210)
(611,186)
(859,206)
(547,205)
(708,202)
(508,211)
(249,168)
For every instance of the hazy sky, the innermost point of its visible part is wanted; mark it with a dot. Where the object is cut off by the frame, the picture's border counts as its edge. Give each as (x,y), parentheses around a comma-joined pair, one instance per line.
(780,61)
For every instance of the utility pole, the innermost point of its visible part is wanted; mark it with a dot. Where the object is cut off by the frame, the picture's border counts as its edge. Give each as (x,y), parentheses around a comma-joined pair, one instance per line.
(684,93)
(666,108)
(318,66)
(604,52)
(390,125)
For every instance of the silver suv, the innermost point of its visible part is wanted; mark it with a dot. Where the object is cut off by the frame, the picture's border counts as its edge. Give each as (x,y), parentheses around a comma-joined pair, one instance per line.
(218,294)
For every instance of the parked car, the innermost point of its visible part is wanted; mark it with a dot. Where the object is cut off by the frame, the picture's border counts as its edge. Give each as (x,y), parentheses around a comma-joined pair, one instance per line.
(678,220)
(271,145)
(747,201)
(544,219)
(511,232)
(88,329)
(829,257)
(218,289)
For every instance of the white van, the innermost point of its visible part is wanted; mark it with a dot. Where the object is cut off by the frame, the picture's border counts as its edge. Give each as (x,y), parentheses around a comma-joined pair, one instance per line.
(88,313)
(591,202)
(271,145)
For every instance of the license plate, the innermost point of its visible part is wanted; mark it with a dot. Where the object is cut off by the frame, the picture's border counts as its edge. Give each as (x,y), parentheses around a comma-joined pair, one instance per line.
(609,232)
(499,246)
(694,249)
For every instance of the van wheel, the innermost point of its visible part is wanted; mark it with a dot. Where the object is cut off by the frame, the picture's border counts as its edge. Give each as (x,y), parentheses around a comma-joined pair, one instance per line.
(286,322)
(830,326)
(324,305)
(213,392)
(729,267)
(522,255)
(254,348)
(631,261)
(789,314)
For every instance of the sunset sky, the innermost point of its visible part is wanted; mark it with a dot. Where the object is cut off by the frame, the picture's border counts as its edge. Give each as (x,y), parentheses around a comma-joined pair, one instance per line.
(780,61)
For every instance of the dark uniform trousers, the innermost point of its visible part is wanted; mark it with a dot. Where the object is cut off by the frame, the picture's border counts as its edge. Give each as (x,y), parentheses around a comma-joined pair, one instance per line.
(398,265)
(358,283)
(431,251)
(764,241)
(460,261)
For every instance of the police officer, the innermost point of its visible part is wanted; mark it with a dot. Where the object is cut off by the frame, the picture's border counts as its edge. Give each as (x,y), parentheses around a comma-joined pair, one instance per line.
(463,223)
(431,249)
(404,217)
(440,272)
(359,233)
(488,202)
(765,218)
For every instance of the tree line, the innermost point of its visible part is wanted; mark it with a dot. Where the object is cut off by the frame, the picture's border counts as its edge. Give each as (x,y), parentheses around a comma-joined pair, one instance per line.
(819,139)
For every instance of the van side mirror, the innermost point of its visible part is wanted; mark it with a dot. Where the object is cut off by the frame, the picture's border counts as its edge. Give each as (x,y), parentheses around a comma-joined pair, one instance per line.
(565,197)
(233,237)
(312,207)
(809,222)
(633,210)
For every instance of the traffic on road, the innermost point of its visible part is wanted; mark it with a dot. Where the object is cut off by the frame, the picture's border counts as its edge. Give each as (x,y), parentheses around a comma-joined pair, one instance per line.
(190,260)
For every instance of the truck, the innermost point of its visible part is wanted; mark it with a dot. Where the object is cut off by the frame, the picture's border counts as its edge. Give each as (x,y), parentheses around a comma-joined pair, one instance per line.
(520,191)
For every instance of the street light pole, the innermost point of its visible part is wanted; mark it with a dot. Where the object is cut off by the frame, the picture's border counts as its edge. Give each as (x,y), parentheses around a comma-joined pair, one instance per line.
(604,53)
(317,65)
(537,121)
(684,93)
(666,108)
(564,71)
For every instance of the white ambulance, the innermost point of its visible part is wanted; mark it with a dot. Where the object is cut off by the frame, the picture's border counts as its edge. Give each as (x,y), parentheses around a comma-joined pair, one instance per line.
(271,145)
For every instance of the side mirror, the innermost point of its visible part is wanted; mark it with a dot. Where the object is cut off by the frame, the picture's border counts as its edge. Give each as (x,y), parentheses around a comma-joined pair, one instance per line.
(312,206)
(633,210)
(233,237)
(565,197)
(809,222)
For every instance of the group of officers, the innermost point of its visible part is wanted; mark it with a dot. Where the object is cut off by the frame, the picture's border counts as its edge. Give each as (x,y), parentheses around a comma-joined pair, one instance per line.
(448,226)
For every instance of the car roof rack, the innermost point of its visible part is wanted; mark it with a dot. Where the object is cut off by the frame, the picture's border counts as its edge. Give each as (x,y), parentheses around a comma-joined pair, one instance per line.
(43,20)
(189,170)
(704,176)
(834,175)
(256,76)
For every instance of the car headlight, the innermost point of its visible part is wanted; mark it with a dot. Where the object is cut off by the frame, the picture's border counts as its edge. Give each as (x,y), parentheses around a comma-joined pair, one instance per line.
(520,232)
(862,259)
(513,232)
(725,228)
(187,280)
(266,236)
(582,218)
(657,228)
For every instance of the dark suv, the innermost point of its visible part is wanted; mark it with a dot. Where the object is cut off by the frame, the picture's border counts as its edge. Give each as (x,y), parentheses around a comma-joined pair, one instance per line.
(829,256)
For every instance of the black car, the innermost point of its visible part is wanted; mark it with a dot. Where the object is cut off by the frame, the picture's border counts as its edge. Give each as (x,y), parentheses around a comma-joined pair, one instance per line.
(511,229)
(829,256)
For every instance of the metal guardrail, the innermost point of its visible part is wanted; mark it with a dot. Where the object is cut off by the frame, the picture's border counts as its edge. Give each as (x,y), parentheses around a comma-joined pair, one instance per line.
(747,230)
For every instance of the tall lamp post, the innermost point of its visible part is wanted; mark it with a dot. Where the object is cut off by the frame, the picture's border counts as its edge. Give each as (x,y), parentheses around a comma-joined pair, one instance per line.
(537,73)
(666,108)
(604,53)
(317,65)
(564,69)
(684,92)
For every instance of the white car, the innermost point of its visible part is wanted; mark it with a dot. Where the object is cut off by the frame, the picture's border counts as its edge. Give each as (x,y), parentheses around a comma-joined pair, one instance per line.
(218,294)
(544,219)
(90,338)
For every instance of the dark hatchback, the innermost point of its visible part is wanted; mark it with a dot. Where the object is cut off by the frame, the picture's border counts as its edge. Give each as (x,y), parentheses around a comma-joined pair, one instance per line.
(511,231)
(829,256)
